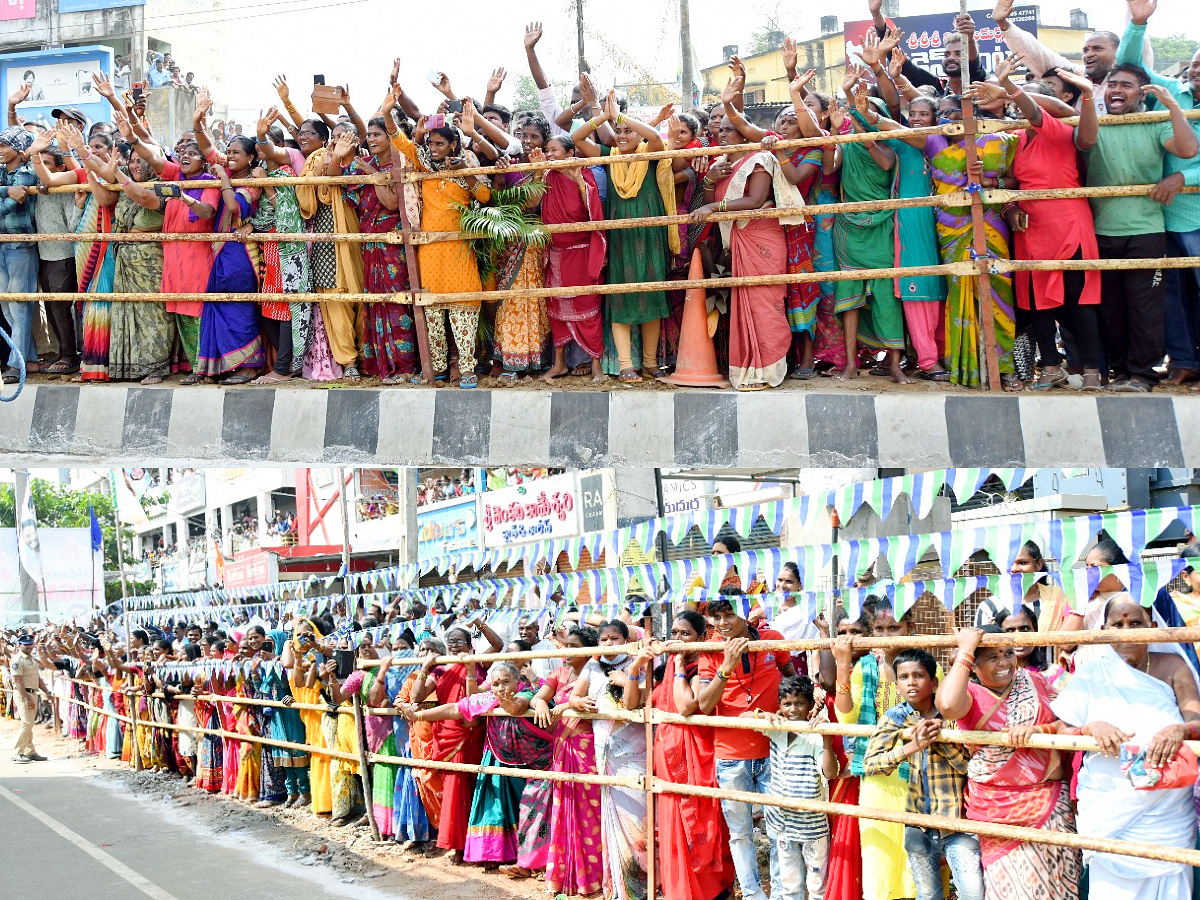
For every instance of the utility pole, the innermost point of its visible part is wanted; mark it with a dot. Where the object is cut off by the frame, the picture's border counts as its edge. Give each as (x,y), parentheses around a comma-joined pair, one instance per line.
(685,42)
(579,33)
(345,522)
(112,481)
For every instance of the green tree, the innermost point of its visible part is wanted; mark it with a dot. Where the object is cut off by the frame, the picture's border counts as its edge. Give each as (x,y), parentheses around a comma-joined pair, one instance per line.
(527,94)
(1172,49)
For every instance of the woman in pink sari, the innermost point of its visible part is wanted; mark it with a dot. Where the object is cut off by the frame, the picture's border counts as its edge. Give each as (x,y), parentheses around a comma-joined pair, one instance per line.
(574,864)
(759,334)
(573,259)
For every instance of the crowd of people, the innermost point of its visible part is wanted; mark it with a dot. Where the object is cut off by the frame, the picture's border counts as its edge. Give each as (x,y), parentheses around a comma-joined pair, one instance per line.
(1116,330)
(435,489)
(1139,702)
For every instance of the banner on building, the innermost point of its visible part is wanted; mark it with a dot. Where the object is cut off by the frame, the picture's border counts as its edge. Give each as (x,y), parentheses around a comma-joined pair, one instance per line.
(72,580)
(924,40)
(448,525)
(538,510)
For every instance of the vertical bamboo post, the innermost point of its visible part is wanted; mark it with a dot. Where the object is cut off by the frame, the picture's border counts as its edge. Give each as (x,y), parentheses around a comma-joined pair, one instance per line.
(135,755)
(414,276)
(368,788)
(989,366)
(651,849)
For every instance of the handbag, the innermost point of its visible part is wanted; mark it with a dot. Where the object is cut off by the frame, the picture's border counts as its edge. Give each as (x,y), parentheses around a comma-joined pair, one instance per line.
(1178,773)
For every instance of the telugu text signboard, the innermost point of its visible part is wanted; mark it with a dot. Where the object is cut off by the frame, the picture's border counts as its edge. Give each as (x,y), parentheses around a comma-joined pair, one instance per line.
(538,510)
(924,40)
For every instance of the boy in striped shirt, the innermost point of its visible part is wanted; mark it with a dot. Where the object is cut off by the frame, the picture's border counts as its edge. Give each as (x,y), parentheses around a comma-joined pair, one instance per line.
(800,766)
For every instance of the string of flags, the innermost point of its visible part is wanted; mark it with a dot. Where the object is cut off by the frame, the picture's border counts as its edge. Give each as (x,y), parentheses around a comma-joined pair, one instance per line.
(880,494)
(1059,539)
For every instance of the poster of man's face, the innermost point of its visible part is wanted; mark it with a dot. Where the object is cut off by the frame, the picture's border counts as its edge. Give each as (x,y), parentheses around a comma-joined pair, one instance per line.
(63,83)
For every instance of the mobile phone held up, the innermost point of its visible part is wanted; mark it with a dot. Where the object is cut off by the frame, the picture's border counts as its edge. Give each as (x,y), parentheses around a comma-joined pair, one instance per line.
(437,121)
(137,90)
(454,106)
(166,190)
(345,662)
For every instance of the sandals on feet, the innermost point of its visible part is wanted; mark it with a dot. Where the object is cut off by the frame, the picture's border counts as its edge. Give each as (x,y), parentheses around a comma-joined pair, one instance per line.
(629,376)
(467,382)
(61,367)
(803,373)
(935,375)
(235,379)
(1050,380)
(351,374)
(191,378)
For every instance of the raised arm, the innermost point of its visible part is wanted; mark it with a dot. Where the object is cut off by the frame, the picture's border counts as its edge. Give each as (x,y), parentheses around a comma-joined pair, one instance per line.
(20,95)
(285,97)
(494,83)
(1039,58)
(1134,43)
(533,34)
(1182,142)
(105,89)
(359,124)
(953,699)
(266,147)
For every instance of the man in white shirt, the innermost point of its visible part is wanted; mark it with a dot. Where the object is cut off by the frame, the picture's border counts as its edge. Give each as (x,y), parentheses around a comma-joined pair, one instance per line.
(529,631)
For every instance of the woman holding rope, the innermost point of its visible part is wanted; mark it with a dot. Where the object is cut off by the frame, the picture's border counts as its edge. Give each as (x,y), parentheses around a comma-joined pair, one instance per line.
(988,690)
(694,840)
(575,863)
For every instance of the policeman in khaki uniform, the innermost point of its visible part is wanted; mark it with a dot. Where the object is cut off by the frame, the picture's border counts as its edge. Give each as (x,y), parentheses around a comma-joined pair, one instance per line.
(26,681)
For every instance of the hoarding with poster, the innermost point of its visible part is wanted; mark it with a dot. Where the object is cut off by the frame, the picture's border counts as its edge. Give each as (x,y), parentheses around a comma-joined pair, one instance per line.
(446,526)
(72,582)
(57,78)
(11,10)
(924,40)
(534,511)
(252,568)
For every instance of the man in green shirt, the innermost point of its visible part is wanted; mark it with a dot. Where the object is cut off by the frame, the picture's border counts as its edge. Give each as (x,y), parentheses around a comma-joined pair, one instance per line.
(1181,211)
(1132,301)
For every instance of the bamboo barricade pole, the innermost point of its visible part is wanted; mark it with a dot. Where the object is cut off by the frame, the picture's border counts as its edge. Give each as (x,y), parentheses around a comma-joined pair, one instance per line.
(135,754)
(368,781)
(944,823)
(420,326)
(648,714)
(1034,835)
(963,268)
(989,365)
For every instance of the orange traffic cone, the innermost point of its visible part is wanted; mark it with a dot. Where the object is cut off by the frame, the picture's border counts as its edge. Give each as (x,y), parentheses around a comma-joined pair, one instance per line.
(696,364)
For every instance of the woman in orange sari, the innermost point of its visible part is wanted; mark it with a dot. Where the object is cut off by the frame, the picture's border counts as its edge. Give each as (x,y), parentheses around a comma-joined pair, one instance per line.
(420,741)
(759,334)
(693,839)
(301,658)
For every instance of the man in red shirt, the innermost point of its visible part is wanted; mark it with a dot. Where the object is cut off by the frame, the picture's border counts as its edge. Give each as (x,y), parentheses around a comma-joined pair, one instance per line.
(732,683)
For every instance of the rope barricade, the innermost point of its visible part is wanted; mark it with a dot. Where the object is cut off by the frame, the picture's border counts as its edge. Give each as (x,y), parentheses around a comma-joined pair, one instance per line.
(652,784)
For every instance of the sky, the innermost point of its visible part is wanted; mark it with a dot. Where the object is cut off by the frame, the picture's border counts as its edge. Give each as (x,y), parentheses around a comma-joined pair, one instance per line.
(355,41)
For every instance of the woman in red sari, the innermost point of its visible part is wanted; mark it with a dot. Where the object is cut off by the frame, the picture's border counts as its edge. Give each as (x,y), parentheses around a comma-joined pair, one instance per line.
(575,865)
(453,740)
(694,858)
(759,335)
(573,259)
(186,264)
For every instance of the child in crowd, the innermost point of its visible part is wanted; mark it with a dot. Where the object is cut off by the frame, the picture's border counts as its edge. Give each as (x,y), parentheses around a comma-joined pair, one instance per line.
(936,775)
(801,766)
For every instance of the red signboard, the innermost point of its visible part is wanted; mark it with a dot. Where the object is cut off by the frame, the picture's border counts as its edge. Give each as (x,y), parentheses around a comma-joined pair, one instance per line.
(251,569)
(17,9)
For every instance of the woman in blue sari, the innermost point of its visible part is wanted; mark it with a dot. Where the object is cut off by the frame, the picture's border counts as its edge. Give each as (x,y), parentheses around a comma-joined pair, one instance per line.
(271,682)
(230,338)
(398,808)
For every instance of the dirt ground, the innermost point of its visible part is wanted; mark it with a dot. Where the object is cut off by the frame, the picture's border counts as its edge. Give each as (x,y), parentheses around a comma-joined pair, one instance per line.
(348,853)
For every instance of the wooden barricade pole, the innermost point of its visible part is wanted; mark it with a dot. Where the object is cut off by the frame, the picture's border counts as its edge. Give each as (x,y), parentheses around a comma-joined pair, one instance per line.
(414,278)
(651,843)
(989,365)
(135,755)
(368,782)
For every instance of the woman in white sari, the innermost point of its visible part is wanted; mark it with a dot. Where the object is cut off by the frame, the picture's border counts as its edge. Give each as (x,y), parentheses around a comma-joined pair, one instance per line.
(1129,695)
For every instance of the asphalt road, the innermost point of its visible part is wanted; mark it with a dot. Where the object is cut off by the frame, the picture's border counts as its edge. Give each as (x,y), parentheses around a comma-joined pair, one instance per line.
(68,835)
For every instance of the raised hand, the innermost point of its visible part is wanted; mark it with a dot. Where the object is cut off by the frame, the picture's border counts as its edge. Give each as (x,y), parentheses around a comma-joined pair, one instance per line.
(281,88)
(854,72)
(985,92)
(874,7)
(1008,65)
(1086,88)
(20,95)
(896,66)
(1141,10)
(1001,11)
(739,69)
(468,119)
(673,129)
(587,90)
(802,81)
(346,104)
(395,76)
(871,53)
(790,54)
(103,86)
(496,81)
(533,34)
(891,40)
(443,85)
(1165,100)
(123,126)
(72,136)
(862,102)
(732,88)
(263,127)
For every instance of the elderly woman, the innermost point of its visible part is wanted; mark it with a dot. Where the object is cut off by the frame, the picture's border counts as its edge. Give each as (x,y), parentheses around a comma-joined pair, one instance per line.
(1011,785)
(493,835)
(1133,700)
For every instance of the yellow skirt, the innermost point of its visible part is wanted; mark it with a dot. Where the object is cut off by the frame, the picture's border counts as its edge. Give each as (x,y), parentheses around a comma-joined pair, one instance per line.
(885,873)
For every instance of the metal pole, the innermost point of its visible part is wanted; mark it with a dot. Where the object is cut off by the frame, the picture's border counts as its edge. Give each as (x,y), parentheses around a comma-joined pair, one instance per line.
(112,483)
(668,612)
(685,42)
(345,523)
(579,35)
(651,873)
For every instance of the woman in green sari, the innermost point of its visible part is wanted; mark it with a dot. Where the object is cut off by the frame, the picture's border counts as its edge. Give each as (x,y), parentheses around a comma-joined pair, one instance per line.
(866,240)
(140,334)
(636,190)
